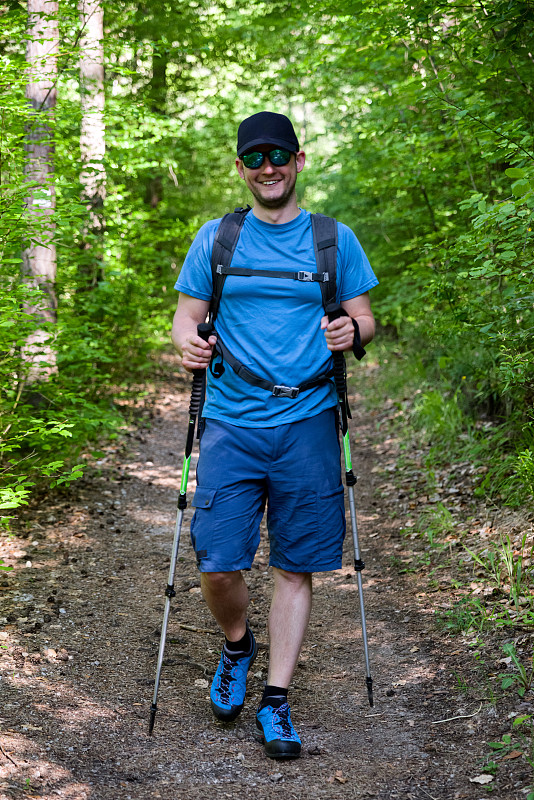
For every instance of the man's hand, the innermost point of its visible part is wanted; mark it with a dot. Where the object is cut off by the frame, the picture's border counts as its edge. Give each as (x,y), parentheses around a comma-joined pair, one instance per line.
(339,334)
(196,353)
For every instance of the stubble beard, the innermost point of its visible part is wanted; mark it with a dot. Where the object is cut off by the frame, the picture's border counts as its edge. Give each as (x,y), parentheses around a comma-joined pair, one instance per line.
(276,202)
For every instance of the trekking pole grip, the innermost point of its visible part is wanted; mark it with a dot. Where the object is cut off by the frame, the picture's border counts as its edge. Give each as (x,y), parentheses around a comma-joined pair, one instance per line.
(204,330)
(335,311)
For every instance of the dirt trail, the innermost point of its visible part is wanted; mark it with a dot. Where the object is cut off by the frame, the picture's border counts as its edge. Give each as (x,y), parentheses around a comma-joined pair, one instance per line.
(80,641)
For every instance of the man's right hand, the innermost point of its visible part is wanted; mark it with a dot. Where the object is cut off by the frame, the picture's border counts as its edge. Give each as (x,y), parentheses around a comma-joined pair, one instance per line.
(196,353)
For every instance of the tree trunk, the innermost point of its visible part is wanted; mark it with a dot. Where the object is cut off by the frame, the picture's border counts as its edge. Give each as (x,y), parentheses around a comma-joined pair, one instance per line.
(39,258)
(92,143)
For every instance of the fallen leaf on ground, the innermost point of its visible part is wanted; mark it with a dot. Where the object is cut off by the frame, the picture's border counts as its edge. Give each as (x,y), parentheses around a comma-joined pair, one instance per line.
(513,754)
(481,779)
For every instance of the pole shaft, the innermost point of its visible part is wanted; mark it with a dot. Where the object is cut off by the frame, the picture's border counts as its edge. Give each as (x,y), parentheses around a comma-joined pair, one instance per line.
(170,583)
(356,544)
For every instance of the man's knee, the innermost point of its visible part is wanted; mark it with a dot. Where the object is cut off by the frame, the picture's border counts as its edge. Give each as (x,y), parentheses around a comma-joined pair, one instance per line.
(294,579)
(220,582)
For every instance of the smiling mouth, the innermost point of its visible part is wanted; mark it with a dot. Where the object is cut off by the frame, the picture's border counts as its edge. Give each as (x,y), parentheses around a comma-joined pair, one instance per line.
(269,183)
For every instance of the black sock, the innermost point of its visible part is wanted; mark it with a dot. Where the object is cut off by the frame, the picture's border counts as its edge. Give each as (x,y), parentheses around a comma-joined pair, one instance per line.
(274,696)
(242,647)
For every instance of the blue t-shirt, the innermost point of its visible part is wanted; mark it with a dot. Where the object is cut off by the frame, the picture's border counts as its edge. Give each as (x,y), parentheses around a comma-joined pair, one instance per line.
(272,326)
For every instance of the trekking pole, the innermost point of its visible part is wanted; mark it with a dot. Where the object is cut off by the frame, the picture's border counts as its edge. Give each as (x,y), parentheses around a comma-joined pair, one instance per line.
(334,311)
(199,376)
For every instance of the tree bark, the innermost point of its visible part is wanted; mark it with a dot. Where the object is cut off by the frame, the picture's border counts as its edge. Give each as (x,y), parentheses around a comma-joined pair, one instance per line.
(92,141)
(39,257)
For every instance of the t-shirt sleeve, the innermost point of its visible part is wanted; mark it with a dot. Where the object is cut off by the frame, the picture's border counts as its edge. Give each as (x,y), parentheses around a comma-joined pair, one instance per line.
(355,275)
(195,276)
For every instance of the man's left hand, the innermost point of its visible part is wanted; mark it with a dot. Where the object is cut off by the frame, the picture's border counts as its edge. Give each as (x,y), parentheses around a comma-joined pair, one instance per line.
(339,333)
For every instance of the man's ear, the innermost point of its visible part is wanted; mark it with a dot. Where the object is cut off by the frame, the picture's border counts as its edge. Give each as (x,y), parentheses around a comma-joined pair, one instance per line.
(300,159)
(239,167)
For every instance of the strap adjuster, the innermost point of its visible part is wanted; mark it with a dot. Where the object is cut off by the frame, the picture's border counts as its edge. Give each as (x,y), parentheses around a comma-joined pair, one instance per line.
(320,277)
(286,391)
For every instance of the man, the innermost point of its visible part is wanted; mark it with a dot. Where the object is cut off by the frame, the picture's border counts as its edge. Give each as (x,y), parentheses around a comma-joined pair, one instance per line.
(257,447)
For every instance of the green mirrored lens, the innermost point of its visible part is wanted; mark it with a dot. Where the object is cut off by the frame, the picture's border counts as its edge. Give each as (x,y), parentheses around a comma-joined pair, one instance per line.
(253,160)
(279,157)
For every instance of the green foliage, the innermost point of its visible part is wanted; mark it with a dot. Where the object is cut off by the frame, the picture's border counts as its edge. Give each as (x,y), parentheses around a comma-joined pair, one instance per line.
(435,522)
(520,741)
(430,160)
(522,679)
(439,417)
(418,123)
(468,614)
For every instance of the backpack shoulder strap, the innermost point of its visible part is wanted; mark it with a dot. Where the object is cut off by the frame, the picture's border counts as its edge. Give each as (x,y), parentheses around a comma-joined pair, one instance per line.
(222,253)
(324,230)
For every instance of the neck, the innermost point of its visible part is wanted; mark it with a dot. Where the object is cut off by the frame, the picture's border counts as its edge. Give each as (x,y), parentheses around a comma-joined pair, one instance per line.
(276,216)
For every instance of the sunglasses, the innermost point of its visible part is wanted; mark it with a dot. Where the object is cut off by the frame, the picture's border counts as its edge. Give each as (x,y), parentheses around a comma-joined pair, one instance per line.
(278,158)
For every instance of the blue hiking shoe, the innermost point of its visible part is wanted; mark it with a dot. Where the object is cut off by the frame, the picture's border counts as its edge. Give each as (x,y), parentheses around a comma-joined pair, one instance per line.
(227,693)
(275,731)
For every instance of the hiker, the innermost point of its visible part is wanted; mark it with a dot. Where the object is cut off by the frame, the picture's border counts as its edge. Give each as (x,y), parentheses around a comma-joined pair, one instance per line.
(269,422)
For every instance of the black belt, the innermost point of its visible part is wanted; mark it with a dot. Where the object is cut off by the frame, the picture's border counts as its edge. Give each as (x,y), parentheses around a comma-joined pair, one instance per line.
(276,389)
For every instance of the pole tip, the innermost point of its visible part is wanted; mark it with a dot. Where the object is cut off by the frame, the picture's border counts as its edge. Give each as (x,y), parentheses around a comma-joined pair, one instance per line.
(153,709)
(369,682)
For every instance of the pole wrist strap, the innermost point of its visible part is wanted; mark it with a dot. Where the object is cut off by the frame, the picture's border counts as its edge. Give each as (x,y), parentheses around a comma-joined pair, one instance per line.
(357,348)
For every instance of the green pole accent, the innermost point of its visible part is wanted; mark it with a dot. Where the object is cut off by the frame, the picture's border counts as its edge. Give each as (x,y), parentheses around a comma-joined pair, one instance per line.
(346,446)
(185,474)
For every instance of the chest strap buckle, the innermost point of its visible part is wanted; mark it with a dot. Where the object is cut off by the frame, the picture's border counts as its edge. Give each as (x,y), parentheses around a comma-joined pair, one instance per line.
(286,391)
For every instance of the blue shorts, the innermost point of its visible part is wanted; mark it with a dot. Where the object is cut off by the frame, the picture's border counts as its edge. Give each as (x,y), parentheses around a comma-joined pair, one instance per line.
(293,468)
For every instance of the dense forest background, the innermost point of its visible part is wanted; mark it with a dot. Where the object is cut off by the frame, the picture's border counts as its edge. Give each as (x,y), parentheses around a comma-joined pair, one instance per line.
(117,137)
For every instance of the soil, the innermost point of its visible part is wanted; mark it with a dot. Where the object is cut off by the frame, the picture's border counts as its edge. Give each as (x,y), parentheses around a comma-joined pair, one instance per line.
(83,608)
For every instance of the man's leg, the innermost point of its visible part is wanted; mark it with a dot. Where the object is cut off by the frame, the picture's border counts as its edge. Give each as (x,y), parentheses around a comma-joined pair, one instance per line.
(226,595)
(288,621)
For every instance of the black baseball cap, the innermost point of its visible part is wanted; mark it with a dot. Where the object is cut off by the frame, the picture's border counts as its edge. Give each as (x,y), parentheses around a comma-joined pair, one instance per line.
(266,127)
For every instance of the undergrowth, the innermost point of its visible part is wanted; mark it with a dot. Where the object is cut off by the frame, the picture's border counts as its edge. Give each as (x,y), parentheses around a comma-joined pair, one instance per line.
(446,441)
(444,412)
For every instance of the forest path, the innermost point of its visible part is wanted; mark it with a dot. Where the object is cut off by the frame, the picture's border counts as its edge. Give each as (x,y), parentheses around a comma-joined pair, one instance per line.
(83,629)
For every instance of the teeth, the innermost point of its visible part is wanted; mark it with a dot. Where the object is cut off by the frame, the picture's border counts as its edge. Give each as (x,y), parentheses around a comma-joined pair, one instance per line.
(269,183)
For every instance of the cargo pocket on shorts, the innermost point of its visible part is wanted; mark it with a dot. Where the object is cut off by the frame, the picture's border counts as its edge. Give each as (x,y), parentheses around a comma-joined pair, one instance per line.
(331,508)
(202,524)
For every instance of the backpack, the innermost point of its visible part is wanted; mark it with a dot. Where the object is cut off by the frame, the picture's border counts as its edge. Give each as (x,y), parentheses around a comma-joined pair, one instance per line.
(324,232)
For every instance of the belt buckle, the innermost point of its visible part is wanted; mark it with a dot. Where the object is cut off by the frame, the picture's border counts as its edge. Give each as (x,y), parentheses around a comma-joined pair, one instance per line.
(303,275)
(286,391)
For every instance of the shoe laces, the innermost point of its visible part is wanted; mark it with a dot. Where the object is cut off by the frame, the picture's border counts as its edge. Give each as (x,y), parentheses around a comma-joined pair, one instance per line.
(284,720)
(226,678)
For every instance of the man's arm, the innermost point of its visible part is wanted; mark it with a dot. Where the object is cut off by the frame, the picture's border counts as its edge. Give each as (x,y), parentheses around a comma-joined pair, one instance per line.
(195,352)
(339,334)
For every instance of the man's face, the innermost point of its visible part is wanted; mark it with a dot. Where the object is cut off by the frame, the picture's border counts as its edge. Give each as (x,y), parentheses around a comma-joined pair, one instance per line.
(272,186)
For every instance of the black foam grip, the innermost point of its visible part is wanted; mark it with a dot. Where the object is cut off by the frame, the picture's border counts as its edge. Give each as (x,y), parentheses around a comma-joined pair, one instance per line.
(335,311)
(196,392)
(204,330)
(340,373)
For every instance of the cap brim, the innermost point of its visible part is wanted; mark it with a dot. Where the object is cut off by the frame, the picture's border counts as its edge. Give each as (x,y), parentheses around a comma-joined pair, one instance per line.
(291,146)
